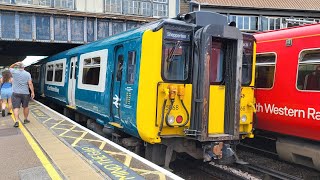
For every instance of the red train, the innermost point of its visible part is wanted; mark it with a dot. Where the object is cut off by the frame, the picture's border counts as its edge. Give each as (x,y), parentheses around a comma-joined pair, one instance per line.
(288,91)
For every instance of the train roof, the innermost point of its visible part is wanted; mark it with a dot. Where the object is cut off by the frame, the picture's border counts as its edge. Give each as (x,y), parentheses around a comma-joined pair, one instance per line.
(130,34)
(293,32)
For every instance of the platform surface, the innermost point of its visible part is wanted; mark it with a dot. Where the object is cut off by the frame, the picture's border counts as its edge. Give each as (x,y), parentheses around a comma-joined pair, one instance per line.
(66,150)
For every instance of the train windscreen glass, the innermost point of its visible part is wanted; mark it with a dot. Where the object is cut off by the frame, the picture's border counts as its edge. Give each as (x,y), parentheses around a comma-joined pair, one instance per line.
(247,59)
(176,55)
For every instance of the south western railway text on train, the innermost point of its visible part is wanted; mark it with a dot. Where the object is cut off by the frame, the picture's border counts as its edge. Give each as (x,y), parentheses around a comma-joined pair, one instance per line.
(309,113)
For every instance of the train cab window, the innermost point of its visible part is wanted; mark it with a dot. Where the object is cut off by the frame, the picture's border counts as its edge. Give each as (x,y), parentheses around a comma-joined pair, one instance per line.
(309,71)
(131,69)
(58,72)
(247,59)
(50,72)
(91,71)
(265,69)
(176,56)
(216,62)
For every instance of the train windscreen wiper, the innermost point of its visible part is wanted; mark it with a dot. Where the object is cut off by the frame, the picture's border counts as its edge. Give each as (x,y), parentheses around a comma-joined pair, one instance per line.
(173,50)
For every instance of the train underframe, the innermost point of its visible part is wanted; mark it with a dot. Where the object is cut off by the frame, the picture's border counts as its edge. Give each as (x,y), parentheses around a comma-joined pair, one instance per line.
(292,149)
(160,154)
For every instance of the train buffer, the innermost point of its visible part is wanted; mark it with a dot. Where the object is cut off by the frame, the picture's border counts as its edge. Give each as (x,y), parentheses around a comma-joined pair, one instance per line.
(52,146)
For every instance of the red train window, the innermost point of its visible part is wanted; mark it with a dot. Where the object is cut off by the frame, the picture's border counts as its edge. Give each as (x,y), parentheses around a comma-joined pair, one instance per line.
(309,71)
(265,68)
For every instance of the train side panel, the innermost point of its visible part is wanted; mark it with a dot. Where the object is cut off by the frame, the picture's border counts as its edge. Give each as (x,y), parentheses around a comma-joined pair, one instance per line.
(284,108)
(93,73)
(56,80)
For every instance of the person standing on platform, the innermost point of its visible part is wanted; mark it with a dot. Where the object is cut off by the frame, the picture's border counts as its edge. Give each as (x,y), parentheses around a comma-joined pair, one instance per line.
(22,82)
(0,88)
(6,92)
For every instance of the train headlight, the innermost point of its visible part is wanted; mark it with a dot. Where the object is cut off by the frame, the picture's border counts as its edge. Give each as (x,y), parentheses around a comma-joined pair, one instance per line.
(171,119)
(244,118)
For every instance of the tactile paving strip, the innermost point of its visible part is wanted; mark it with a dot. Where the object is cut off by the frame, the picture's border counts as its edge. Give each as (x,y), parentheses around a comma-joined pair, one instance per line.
(115,163)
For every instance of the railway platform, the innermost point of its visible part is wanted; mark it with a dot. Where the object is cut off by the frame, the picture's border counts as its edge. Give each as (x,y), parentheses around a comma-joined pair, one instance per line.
(52,146)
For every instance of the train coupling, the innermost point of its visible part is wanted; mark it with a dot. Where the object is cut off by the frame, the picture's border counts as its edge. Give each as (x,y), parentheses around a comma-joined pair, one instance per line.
(217,150)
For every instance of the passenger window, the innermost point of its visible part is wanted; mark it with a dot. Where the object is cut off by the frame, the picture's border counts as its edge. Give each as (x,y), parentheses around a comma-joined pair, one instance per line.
(176,56)
(58,72)
(309,71)
(119,67)
(265,68)
(131,69)
(91,71)
(50,72)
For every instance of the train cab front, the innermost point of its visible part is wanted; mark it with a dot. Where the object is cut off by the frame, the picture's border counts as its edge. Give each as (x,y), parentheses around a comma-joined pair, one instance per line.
(199,100)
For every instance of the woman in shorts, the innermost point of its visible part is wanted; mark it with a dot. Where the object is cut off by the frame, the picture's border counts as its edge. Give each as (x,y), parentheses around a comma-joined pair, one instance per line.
(6,92)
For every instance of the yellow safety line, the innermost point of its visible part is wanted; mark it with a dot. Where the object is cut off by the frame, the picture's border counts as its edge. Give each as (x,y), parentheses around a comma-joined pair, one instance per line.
(43,122)
(43,159)
(103,144)
(127,162)
(57,124)
(67,130)
(79,139)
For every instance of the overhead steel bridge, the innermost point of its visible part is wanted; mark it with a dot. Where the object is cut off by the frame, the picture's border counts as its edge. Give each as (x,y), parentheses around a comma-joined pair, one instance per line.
(38,31)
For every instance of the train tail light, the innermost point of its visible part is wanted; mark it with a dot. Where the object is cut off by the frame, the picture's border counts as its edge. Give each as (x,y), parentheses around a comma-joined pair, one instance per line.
(179,119)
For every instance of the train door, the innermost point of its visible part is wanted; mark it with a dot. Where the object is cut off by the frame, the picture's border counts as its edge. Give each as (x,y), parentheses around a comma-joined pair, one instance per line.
(116,84)
(216,83)
(72,83)
(42,79)
(128,88)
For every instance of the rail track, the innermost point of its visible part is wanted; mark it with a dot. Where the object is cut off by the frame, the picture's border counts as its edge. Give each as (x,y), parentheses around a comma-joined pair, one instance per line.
(270,163)
(271,172)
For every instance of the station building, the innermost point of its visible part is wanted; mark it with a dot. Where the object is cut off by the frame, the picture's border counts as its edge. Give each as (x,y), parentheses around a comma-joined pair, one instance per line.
(46,27)
(114,16)
(259,15)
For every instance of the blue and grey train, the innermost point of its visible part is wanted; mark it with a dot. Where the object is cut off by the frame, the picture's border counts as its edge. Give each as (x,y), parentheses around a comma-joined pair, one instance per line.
(173,85)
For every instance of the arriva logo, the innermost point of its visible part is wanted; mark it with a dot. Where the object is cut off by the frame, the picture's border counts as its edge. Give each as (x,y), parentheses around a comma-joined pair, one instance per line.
(53,89)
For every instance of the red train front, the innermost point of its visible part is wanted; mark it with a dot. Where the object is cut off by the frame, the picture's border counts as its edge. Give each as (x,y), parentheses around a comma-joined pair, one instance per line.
(288,91)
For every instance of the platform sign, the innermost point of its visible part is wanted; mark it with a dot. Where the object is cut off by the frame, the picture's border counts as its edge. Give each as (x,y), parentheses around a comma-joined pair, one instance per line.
(60,29)
(90,29)
(42,27)
(25,26)
(113,168)
(103,29)
(8,25)
(77,31)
